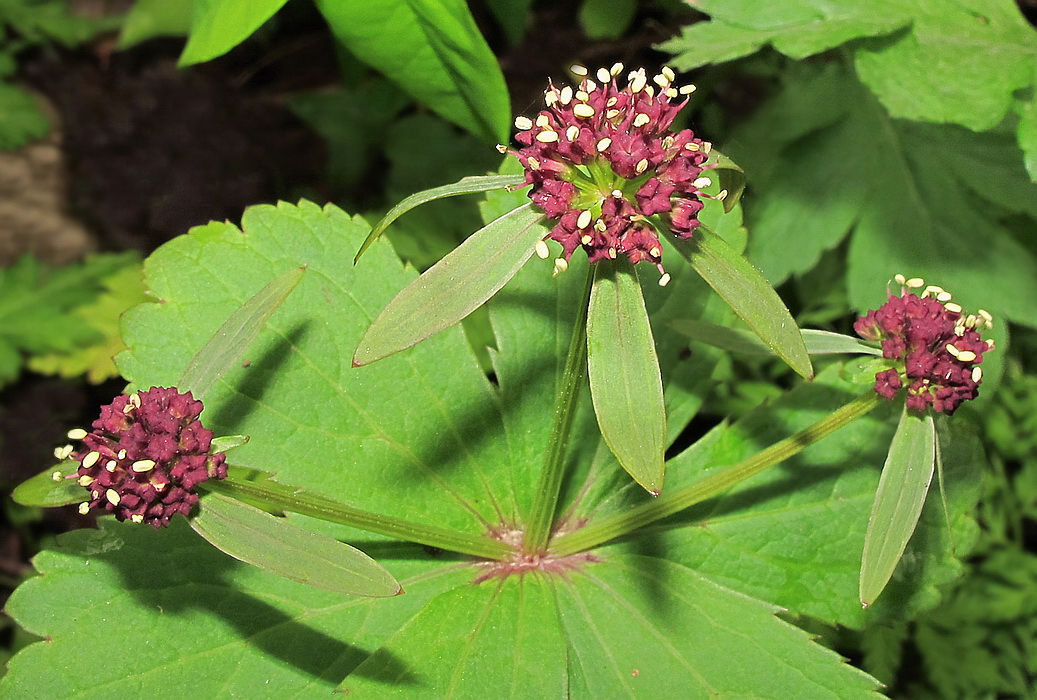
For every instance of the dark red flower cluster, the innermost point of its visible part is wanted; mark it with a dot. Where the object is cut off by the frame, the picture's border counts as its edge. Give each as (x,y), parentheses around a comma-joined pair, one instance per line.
(146,454)
(938,345)
(602,160)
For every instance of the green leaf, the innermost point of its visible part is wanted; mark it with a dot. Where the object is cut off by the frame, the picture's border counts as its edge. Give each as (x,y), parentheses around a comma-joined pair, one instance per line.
(455,286)
(606,19)
(227,442)
(623,369)
(630,620)
(512,16)
(152,18)
(434,51)
(260,539)
(37,303)
(467,185)
(44,492)
(217,26)
(497,639)
(920,214)
(209,626)
(797,29)
(984,48)
(234,337)
(731,177)
(123,289)
(748,294)
(745,342)
(21,119)
(898,502)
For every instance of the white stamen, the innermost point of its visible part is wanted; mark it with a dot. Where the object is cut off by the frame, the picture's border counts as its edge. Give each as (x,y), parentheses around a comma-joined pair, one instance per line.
(642,165)
(137,518)
(586,240)
(616,69)
(655,252)
(953,350)
(111,465)
(143,465)
(560,266)
(966,356)
(91,458)
(572,133)
(687,89)
(603,75)
(567,95)
(915,283)
(84,508)
(583,110)
(585,219)
(950,306)
(56,476)
(603,144)
(542,251)
(641,119)
(113,496)
(702,182)
(579,70)
(63,452)
(547,136)
(523,123)
(85,480)
(76,434)
(977,374)
(664,280)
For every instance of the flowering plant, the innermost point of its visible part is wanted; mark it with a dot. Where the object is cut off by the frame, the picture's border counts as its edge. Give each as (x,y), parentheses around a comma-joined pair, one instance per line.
(513,529)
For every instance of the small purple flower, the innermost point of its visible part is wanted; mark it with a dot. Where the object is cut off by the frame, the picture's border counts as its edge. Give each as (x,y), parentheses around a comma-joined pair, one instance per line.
(602,160)
(146,454)
(937,346)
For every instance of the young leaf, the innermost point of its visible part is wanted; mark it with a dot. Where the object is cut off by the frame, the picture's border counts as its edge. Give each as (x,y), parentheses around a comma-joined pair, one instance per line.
(898,502)
(455,286)
(236,334)
(466,185)
(623,369)
(746,291)
(44,492)
(742,341)
(273,544)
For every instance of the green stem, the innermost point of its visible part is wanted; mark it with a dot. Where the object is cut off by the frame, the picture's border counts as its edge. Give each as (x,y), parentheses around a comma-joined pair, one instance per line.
(270,495)
(541,518)
(609,528)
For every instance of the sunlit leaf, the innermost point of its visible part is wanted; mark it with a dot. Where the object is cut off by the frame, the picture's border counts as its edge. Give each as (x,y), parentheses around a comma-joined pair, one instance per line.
(625,383)
(898,502)
(455,286)
(731,177)
(746,291)
(467,185)
(217,26)
(234,337)
(274,544)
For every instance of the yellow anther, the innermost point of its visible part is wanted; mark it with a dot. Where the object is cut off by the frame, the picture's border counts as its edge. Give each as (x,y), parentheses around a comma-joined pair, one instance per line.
(664,280)
(603,144)
(76,434)
(91,458)
(584,220)
(143,465)
(547,136)
(583,110)
(579,70)
(523,123)
(603,75)
(542,251)
(113,496)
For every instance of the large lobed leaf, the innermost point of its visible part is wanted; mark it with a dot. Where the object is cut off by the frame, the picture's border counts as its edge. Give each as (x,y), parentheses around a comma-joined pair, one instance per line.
(958,62)
(418,436)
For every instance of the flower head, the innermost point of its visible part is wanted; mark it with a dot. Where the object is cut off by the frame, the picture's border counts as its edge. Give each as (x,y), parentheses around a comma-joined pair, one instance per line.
(146,454)
(604,164)
(937,346)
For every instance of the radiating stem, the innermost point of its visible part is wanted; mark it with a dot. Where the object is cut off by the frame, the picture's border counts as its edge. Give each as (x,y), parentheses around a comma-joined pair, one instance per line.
(545,498)
(619,524)
(274,496)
